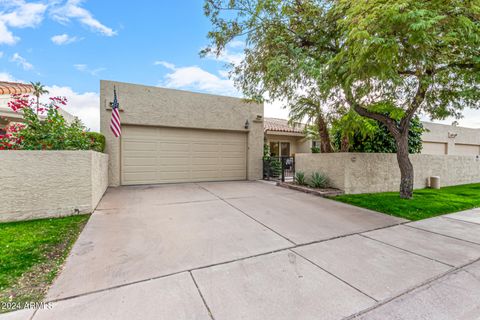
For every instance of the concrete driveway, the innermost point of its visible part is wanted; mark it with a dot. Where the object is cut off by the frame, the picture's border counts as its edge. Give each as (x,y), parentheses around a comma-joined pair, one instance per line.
(250,250)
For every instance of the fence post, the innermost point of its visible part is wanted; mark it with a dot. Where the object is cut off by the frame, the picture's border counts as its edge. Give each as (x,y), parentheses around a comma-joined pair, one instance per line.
(293,168)
(283,169)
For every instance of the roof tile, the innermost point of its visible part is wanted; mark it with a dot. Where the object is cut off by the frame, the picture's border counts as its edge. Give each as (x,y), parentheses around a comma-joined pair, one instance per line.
(281,125)
(15,88)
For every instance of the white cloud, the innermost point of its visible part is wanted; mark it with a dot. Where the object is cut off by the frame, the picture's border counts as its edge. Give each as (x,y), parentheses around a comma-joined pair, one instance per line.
(21,61)
(471,119)
(6,36)
(195,78)
(276,109)
(85,68)
(19,14)
(82,105)
(165,64)
(5,76)
(72,10)
(62,39)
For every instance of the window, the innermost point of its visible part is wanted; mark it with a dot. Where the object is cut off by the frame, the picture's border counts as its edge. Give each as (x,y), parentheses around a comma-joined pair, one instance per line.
(279,149)
(315,144)
(274,149)
(285,149)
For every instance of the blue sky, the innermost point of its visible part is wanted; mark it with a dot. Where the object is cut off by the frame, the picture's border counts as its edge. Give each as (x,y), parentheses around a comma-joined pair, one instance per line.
(69,45)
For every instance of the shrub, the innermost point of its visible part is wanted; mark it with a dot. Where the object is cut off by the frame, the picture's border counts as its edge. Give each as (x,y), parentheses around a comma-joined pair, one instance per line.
(300,178)
(97,141)
(318,180)
(315,149)
(275,167)
(372,136)
(51,132)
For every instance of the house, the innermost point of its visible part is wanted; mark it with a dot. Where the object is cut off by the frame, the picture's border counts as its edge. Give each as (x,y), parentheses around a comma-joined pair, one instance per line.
(7,115)
(284,139)
(451,140)
(178,136)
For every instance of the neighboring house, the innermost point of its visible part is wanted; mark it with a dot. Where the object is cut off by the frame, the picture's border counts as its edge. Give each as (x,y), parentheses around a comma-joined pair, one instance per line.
(284,139)
(7,115)
(452,140)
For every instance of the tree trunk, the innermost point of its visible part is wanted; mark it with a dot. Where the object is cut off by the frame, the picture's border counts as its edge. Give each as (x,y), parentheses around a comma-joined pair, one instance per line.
(406,167)
(345,144)
(325,143)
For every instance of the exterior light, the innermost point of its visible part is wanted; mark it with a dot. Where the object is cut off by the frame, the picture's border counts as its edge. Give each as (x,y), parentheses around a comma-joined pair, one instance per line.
(247,124)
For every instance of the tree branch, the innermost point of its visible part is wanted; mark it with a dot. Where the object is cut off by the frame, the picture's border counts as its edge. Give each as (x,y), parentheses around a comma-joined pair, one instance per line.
(389,122)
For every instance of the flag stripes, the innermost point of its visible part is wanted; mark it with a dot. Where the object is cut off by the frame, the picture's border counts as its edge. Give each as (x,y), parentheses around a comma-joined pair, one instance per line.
(115,125)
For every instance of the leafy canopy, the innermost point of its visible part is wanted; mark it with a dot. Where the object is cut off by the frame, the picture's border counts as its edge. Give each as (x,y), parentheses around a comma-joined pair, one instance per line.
(367,135)
(397,55)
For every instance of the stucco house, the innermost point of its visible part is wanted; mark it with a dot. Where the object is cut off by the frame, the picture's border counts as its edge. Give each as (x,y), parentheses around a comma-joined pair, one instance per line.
(284,139)
(178,136)
(7,115)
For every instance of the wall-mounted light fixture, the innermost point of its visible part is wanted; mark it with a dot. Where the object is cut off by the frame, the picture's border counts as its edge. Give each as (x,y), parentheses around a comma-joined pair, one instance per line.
(247,124)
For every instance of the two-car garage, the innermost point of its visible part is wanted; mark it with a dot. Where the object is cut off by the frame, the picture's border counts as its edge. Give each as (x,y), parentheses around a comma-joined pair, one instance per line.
(174,136)
(152,155)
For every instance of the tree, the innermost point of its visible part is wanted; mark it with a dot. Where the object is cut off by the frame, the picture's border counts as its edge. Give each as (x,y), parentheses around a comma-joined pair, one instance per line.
(307,108)
(386,60)
(38,90)
(354,133)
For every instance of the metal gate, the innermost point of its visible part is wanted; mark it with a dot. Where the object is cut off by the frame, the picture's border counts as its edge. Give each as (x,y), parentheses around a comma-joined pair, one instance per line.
(279,168)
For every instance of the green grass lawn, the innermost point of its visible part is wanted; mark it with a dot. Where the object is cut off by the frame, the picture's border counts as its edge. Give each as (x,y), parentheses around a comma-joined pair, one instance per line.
(426,203)
(31,253)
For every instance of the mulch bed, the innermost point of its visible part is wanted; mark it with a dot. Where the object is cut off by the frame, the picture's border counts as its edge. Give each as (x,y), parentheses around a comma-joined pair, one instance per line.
(326,193)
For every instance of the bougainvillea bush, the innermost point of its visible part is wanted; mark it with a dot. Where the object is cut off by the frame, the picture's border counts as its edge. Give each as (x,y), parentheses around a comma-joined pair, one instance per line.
(44,128)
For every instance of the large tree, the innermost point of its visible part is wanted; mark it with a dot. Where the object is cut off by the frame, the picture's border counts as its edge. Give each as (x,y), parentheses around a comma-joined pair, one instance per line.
(385,59)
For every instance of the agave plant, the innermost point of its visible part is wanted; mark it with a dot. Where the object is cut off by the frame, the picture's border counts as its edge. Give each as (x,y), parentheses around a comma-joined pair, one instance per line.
(318,180)
(300,178)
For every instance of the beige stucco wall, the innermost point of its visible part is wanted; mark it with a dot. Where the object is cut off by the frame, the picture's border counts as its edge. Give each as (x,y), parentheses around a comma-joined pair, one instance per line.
(452,140)
(153,106)
(41,184)
(379,172)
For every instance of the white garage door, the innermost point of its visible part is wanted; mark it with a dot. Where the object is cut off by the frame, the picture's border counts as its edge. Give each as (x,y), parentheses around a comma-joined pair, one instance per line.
(163,155)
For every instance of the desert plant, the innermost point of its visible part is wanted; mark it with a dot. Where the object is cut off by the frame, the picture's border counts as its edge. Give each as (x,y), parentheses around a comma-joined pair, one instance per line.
(300,178)
(318,180)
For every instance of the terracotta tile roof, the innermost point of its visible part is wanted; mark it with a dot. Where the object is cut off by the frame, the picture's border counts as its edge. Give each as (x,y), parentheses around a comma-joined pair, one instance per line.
(15,88)
(281,125)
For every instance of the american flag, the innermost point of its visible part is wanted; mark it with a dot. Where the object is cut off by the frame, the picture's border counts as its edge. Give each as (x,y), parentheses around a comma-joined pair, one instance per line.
(115,123)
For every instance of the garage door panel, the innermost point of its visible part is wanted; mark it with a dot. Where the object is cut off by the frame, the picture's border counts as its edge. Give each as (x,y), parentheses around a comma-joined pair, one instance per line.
(178,161)
(204,147)
(205,161)
(139,161)
(164,155)
(138,145)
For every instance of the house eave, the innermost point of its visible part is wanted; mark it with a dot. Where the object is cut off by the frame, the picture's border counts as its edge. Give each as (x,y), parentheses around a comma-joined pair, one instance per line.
(283,133)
